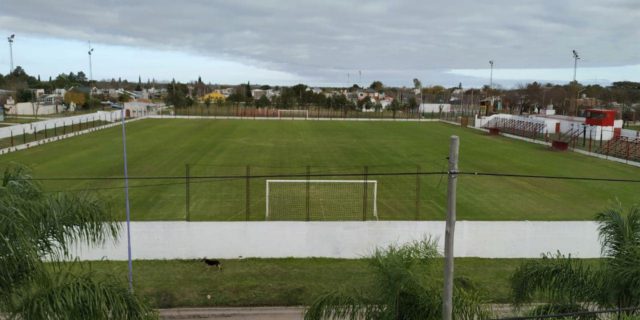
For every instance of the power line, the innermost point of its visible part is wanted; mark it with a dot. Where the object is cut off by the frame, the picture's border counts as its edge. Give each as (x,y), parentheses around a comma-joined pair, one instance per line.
(220,178)
(532,176)
(357,174)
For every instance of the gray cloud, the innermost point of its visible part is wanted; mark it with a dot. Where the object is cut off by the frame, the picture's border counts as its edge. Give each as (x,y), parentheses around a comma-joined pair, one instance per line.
(323,40)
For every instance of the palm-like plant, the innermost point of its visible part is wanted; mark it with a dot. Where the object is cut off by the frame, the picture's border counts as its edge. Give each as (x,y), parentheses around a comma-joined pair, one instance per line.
(399,291)
(570,285)
(36,227)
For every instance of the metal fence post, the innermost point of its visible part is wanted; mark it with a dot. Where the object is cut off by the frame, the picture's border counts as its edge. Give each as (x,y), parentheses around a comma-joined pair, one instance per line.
(247,191)
(24,136)
(365,176)
(187,189)
(418,192)
(308,195)
(12,138)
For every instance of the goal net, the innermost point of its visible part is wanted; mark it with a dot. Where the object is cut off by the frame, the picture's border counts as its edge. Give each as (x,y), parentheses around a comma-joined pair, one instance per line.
(284,113)
(317,200)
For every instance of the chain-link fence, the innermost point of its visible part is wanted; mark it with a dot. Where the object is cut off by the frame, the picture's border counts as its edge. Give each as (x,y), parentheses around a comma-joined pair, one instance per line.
(632,313)
(306,193)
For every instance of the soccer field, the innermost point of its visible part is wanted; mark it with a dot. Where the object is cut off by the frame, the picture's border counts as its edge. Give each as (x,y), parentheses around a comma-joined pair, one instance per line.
(226,147)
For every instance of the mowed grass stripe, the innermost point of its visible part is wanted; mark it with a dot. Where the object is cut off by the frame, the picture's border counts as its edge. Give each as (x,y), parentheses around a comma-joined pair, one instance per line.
(225,147)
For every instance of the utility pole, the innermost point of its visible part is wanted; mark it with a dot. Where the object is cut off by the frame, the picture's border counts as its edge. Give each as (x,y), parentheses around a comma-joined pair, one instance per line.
(447,297)
(10,39)
(126,198)
(576,57)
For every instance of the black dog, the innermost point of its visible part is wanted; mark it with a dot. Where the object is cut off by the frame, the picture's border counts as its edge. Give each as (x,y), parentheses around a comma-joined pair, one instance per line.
(213,263)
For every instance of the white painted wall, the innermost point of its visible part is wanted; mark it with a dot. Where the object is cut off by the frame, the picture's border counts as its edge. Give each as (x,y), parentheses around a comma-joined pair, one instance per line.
(31,108)
(108,116)
(190,240)
(631,134)
(435,107)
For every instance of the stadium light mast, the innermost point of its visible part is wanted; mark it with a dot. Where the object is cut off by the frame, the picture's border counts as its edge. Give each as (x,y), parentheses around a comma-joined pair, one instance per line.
(10,39)
(576,57)
(90,65)
(491,75)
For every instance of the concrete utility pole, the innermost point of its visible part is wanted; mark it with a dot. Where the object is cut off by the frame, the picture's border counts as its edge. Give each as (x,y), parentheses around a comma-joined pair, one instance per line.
(575,64)
(126,197)
(447,297)
(10,39)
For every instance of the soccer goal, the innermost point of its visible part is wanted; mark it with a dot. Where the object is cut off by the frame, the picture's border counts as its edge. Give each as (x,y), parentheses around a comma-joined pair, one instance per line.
(317,200)
(285,113)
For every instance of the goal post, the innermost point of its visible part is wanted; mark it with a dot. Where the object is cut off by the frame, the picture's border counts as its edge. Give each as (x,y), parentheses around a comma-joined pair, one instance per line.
(295,113)
(321,200)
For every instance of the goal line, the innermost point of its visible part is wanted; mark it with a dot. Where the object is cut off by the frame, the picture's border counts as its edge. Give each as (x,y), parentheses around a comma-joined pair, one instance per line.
(321,200)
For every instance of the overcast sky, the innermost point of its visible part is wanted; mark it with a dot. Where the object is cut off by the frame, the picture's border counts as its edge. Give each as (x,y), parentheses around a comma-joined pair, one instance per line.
(328,42)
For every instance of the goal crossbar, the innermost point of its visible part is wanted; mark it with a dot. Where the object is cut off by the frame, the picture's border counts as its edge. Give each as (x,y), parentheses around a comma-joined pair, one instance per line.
(372,183)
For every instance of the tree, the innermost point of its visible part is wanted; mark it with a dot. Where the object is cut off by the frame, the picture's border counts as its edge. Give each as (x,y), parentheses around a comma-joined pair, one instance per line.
(263,102)
(570,285)
(24,95)
(76,97)
(377,86)
(177,94)
(35,225)
(394,106)
(417,84)
(398,291)
(122,98)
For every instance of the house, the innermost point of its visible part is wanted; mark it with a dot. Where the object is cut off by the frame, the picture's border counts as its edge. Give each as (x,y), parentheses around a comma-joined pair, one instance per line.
(258,93)
(315,90)
(214,96)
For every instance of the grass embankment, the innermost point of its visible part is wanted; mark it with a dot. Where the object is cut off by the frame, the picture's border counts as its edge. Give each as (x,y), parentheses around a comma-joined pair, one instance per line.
(226,147)
(283,282)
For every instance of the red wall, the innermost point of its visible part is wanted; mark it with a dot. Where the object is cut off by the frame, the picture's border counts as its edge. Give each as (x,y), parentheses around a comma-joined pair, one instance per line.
(599,117)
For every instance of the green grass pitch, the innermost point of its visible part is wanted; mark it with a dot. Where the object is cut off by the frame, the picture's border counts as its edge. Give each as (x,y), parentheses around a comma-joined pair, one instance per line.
(225,147)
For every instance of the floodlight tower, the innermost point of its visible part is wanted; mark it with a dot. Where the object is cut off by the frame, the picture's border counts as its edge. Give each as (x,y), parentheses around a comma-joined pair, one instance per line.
(90,66)
(491,75)
(576,57)
(10,39)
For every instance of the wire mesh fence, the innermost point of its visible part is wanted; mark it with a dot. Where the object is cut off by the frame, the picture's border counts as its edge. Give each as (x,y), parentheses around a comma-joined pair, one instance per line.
(306,193)
(631,313)
(23,136)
